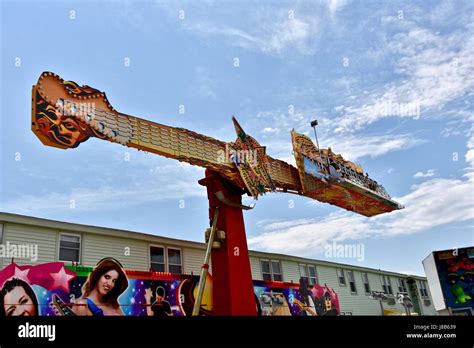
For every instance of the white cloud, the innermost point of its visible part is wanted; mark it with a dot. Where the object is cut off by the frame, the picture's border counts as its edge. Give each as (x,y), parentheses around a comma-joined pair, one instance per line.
(351,146)
(308,236)
(435,202)
(428,174)
(270,130)
(470,148)
(336,5)
(205,84)
(297,32)
(470,157)
(433,70)
(269,30)
(449,131)
(283,120)
(154,185)
(356,147)
(423,205)
(278,225)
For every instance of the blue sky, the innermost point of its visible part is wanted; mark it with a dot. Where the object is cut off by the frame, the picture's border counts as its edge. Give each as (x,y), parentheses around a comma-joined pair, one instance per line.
(342,62)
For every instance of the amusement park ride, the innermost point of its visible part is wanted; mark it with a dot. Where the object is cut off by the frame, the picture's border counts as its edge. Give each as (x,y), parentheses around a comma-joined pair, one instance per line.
(65,114)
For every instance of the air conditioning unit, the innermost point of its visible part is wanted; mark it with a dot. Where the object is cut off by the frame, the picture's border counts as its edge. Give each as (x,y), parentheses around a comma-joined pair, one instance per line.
(427,302)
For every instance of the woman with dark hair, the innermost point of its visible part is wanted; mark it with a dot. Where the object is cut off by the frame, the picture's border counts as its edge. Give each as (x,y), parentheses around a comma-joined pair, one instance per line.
(17,298)
(100,292)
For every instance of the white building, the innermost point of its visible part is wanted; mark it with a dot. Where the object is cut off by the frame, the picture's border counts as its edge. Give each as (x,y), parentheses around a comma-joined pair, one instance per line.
(71,242)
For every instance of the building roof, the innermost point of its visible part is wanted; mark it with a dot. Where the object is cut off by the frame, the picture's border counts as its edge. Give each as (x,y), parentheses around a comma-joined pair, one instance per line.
(62,225)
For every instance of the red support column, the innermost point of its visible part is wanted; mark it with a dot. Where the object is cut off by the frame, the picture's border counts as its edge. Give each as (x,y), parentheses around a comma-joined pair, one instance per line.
(232,279)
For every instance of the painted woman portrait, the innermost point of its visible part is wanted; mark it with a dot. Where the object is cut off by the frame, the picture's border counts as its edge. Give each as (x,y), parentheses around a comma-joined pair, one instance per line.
(101,291)
(17,298)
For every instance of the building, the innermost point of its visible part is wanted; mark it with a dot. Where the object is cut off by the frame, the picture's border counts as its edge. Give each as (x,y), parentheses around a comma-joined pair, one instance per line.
(70,242)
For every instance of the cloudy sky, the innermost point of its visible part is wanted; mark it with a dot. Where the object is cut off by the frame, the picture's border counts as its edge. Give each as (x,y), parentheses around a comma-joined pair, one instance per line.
(391,83)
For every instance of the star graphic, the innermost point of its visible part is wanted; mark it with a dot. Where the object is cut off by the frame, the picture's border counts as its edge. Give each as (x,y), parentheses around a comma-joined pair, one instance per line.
(61,279)
(21,274)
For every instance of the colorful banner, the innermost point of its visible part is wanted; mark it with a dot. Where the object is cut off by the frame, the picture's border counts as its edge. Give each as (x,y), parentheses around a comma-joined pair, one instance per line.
(456,276)
(53,289)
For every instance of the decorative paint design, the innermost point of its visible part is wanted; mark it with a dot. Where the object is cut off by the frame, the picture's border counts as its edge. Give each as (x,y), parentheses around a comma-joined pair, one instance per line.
(251,162)
(60,129)
(63,129)
(81,91)
(51,289)
(320,180)
(456,276)
(259,175)
(34,285)
(278,298)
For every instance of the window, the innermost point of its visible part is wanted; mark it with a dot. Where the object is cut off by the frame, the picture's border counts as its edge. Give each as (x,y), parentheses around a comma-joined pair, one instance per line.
(340,276)
(365,280)
(402,287)
(271,270)
(266,273)
(423,289)
(309,271)
(157,259)
(1,233)
(69,247)
(304,271)
(386,284)
(313,279)
(352,284)
(276,270)
(171,262)
(174,261)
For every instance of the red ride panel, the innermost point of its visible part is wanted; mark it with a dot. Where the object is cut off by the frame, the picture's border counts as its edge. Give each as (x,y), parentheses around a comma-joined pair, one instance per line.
(233,292)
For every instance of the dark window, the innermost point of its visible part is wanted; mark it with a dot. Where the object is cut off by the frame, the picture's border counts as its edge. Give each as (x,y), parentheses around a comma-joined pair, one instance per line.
(365,280)
(423,289)
(266,273)
(174,261)
(271,270)
(69,248)
(313,279)
(352,284)
(341,277)
(309,272)
(157,259)
(276,270)
(386,284)
(402,287)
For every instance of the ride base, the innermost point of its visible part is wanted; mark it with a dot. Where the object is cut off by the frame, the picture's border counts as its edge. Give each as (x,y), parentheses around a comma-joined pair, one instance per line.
(232,279)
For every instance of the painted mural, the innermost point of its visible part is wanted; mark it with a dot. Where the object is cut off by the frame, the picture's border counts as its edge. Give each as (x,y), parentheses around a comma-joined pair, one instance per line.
(276,298)
(54,289)
(456,274)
